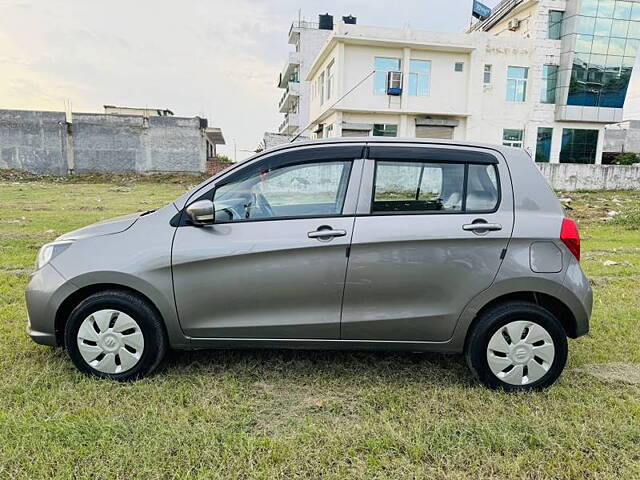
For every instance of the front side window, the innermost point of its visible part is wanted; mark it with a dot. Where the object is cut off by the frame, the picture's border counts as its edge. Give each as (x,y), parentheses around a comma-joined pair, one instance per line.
(432,187)
(487,74)
(385,130)
(517,83)
(555,24)
(383,66)
(549,80)
(512,137)
(298,190)
(419,73)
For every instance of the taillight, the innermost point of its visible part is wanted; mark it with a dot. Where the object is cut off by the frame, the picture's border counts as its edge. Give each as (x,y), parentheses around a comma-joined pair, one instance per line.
(570,236)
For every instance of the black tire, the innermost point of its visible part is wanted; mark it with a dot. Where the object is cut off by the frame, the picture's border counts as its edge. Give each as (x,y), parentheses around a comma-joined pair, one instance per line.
(493,319)
(149,321)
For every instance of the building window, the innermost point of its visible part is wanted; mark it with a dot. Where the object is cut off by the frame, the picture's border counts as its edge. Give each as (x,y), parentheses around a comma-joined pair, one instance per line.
(385,130)
(517,83)
(328,131)
(578,145)
(383,66)
(487,74)
(512,138)
(555,24)
(549,80)
(321,88)
(543,144)
(330,80)
(419,72)
(458,67)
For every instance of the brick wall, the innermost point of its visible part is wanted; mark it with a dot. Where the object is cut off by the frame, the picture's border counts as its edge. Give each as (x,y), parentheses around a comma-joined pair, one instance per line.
(214,167)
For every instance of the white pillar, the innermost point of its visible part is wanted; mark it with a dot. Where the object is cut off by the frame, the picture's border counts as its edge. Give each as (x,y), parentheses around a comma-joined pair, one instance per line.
(556,144)
(600,145)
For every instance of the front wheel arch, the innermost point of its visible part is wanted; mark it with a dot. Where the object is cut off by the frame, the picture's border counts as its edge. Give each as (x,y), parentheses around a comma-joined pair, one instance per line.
(73,300)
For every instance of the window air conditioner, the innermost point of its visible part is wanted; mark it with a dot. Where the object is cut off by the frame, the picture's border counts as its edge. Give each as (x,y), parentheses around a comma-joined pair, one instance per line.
(394,83)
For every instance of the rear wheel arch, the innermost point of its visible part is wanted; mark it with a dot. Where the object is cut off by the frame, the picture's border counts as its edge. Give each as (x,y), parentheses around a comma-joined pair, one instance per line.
(73,300)
(552,304)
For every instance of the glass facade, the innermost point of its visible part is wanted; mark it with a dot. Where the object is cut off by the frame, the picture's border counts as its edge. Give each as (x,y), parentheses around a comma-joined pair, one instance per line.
(606,39)
(578,146)
(555,24)
(543,144)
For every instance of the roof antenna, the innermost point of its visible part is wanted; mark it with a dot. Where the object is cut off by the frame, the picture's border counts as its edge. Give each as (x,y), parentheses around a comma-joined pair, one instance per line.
(335,103)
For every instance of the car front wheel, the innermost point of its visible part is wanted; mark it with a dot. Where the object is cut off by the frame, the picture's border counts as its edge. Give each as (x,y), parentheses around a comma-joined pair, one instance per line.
(517,346)
(117,335)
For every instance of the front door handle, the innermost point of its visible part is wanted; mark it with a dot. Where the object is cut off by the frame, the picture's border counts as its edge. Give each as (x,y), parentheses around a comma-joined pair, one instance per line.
(326,234)
(481,227)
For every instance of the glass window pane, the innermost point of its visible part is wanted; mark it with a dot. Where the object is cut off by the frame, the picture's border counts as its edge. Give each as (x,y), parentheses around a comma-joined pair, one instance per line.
(543,144)
(605,8)
(634,29)
(623,10)
(482,188)
(419,66)
(620,28)
(516,72)
(416,187)
(589,7)
(603,26)
(583,43)
(600,45)
(385,130)
(511,90)
(380,82)
(578,146)
(631,48)
(413,84)
(423,85)
(512,135)
(586,25)
(616,46)
(308,189)
(635,11)
(387,64)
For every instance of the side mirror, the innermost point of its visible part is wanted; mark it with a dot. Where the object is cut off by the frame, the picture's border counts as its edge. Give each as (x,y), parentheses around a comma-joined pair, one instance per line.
(201,212)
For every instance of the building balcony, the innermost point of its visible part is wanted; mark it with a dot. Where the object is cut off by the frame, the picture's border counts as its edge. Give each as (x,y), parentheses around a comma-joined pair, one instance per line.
(290,97)
(290,70)
(290,124)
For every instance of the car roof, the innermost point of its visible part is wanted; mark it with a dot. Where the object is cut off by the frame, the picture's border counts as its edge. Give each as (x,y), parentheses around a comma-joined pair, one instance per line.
(385,140)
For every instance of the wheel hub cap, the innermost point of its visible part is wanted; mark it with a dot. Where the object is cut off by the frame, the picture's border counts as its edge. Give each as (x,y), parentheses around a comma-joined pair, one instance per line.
(520,352)
(110,341)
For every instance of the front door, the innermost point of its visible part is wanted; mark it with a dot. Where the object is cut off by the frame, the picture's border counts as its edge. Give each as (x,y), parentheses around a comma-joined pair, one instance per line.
(274,262)
(419,252)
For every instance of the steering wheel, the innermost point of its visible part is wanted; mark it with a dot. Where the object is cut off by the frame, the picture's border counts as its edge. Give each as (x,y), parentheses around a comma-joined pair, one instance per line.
(264,204)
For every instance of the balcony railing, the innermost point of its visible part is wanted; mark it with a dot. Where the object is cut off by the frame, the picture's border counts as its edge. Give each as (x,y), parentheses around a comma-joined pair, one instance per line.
(303,24)
(290,123)
(292,91)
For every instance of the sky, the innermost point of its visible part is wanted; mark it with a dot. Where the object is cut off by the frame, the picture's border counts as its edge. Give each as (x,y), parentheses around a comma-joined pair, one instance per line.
(218,59)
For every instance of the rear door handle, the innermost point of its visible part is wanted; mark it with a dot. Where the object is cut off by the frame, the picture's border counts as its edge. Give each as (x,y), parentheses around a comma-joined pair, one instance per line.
(481,226)
(329,233)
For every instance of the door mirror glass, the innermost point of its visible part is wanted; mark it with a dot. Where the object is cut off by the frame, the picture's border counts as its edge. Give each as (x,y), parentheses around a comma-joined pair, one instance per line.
(201,212)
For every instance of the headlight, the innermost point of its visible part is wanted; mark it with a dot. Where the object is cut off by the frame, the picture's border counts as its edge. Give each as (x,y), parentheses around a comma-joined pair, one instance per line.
(50,250)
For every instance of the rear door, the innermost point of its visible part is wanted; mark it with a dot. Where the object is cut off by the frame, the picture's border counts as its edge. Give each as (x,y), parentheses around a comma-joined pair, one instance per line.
(430,229)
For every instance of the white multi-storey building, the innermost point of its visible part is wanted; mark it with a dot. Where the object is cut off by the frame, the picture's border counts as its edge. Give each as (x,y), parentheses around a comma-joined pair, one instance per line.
(546,75)
(307,39)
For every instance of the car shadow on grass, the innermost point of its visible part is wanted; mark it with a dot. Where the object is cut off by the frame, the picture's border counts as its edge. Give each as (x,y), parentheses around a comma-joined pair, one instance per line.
(398,367)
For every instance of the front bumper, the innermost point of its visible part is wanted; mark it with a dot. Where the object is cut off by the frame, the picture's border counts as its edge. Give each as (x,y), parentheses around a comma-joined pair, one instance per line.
(44,294)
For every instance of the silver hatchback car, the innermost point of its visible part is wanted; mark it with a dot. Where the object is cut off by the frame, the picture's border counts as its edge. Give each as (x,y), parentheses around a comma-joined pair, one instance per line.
(339,244)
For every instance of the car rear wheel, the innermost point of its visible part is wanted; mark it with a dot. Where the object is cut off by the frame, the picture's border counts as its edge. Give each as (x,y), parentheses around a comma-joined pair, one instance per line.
(517,346)
(117,335)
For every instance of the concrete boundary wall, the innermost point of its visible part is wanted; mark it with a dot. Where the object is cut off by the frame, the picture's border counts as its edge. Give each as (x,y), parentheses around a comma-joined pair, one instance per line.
(42,142)
(574,176)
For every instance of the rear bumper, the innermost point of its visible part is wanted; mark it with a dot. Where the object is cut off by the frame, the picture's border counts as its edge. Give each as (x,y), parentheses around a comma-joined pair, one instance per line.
(43,296)
(578,296)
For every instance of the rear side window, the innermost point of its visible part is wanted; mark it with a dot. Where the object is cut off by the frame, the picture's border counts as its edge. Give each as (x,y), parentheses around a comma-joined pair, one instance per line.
(432,187)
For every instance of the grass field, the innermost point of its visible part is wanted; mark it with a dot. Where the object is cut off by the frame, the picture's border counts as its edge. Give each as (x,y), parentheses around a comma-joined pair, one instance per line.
(288,414)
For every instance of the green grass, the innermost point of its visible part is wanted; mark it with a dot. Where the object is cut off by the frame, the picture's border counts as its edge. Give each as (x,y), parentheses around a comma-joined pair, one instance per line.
(288,414)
